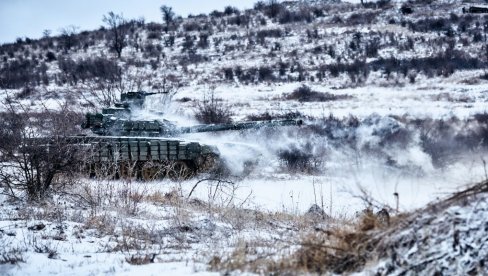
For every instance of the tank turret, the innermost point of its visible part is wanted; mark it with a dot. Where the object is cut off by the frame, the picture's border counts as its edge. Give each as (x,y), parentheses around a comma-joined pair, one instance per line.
(116,121)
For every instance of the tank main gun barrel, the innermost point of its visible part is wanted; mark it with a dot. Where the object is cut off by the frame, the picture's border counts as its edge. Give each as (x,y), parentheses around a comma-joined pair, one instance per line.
(240,126)
(108,125)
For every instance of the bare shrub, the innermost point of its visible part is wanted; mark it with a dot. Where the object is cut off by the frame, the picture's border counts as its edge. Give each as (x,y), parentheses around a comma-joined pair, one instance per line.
(340,250)
(11,250)
(287,16)
(35,152)
(344,252)
(406,9)
(239,20)
(203,41)
(372,47)
(229,10)
(213,111)
(191,26)
(276,33)
(306,94)
(442,64)
(362,18)
(68,38)
(12,256)
(140,259)
(270,8)
(21,73)
(266,116)
(381,4)
(430,25)
(118,31)
(154,35)
(104,224)
(45,248)
(188,44)
(265,73)
(299,160)
(81,70)
(25,93)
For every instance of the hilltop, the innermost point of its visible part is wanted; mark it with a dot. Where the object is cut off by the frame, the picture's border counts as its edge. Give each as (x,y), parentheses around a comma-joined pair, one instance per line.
(327,43)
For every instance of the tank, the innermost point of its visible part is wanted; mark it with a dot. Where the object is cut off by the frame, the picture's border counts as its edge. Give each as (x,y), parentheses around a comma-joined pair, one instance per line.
(121,147)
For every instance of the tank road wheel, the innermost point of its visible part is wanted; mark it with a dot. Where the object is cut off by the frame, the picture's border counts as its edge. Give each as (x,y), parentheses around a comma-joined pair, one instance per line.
(180,170)
(125,170)
(151,171)
(104,170)
(208,162)
(160,170)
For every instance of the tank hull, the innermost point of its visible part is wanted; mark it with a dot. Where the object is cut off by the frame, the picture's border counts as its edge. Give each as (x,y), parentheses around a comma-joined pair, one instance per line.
(146,158)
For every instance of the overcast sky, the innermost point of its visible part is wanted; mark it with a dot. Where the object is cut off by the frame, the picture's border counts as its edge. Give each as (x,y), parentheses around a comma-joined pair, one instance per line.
(29,18)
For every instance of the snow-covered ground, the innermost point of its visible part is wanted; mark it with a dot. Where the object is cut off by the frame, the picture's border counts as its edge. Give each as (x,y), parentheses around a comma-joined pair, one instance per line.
(344,173)
(436,98)
(448,237)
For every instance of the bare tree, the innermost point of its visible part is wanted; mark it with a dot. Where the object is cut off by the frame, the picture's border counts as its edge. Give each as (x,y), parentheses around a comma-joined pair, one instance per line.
(274,8)
(118,31)
(168,16)
(35,153)
(166,83)
(68,36)
(46,33)
(105,93)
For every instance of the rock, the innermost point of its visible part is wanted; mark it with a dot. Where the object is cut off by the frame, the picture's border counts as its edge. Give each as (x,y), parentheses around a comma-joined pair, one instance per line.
(316,212)
(383,217)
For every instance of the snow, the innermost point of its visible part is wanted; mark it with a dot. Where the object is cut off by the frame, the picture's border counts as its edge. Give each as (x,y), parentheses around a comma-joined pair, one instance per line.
(450,240)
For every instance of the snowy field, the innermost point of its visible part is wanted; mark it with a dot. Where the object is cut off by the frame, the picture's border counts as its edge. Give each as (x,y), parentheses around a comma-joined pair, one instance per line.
(344,172)
(67,235)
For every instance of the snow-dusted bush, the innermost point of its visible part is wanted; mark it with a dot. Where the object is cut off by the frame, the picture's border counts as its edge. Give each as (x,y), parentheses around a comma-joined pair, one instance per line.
(239,20)
(305,94)
(212,111)
(271,8)
(266,116)
(287,16)
(442,64)
(152,50)
(361,18)
(299,160)
(20,73)
(203,41)
(81,70)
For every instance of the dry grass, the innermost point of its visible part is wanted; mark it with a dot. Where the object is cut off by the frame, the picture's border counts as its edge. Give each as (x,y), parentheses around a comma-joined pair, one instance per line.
(140,259)
(104,224)
(172,198)
(336,246)
(338,251)
(12,256)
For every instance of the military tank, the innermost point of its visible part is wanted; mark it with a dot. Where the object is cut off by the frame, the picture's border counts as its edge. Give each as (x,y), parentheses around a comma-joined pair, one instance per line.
(119,146)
